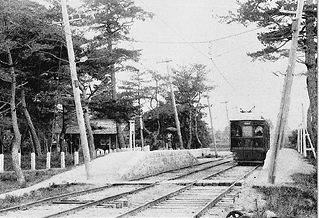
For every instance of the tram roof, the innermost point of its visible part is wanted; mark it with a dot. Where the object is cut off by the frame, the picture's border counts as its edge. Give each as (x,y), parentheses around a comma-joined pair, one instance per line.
(247,116)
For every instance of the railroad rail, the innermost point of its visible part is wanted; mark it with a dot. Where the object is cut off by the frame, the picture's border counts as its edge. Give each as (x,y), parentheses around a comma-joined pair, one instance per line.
(193,200)
(118,201)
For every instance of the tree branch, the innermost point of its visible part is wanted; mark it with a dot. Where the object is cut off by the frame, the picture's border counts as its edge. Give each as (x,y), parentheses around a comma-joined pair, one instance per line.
(22,85)
(5,63)
(66,61)
(4,104)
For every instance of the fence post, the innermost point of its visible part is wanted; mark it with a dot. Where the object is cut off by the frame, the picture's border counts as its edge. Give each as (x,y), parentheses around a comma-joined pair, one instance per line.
(298,140)
(1,163)
(62,160)
(76,158)
(32,161)
(48,160)
(304,142)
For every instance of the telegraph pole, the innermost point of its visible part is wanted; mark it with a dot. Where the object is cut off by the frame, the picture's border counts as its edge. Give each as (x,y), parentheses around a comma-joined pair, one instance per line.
(178,126)
(227,115)
(177,123)
(226,102)
(285,100)
(211,125)
(76,90)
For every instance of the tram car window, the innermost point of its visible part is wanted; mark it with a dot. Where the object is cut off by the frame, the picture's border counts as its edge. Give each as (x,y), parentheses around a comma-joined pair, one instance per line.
(236,131)
(247,131)
(249,140)
(258,131)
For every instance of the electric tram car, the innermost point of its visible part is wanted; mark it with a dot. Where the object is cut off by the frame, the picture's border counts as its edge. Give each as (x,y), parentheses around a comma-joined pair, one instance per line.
(250,140)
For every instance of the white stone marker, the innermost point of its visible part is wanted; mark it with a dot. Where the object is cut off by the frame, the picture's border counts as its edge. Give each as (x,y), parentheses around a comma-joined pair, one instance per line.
(48,160)
(32,161)
(62,160)
(1,163)
(76,158)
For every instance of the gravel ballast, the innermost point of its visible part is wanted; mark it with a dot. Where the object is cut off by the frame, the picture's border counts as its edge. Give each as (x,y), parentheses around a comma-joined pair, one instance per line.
(116,167)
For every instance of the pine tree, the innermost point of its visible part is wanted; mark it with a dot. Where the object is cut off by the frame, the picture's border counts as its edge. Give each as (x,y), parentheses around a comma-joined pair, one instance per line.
(275,18)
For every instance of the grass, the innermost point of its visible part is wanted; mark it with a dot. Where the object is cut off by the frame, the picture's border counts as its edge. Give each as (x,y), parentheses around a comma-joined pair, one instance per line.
(41,193)
(8,180)
(298,201)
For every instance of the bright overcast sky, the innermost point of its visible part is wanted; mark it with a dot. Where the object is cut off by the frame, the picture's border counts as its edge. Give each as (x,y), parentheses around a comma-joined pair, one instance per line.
(187,31)
(181,30)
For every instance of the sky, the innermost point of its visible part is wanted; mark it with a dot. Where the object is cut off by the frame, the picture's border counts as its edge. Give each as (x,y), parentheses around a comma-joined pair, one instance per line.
(187,32)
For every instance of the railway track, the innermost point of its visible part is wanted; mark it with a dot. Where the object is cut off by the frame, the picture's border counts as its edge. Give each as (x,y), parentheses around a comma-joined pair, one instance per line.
(195,198)
(187,171)
(118,199)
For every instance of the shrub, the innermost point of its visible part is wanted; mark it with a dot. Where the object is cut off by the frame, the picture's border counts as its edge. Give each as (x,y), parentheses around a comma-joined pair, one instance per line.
(292,139)
(298,201)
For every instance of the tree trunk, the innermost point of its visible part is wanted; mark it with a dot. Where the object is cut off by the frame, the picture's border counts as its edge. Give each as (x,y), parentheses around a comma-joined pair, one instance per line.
(120,137)
(87,122)
(34,135)
(17,136)
(312,78)
(45,143)
(141,131)
(189,143)
(63,131)
(196,132)
(154,136)
(89,131)
(1,141)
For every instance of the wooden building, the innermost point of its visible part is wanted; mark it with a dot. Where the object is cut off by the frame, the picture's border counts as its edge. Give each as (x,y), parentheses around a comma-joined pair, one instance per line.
(104,132)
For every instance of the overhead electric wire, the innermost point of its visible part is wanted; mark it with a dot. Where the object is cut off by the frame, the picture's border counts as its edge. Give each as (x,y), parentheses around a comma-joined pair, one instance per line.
(237,48)
(210,58)
(197,42)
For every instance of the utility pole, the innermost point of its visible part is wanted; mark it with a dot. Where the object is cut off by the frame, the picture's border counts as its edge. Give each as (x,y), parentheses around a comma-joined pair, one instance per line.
(76,90)
(285,100)
(227,115)
(226,102)
(303,128)
(177,123)
(211,125)
(141,119)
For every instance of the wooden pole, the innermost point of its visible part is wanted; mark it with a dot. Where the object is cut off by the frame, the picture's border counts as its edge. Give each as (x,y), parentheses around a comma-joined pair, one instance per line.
(285,100)
(303,133)
(141,131)
(228,121)
(298,140)
(76,90)
(226,102)
(177,123)
(211,125)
